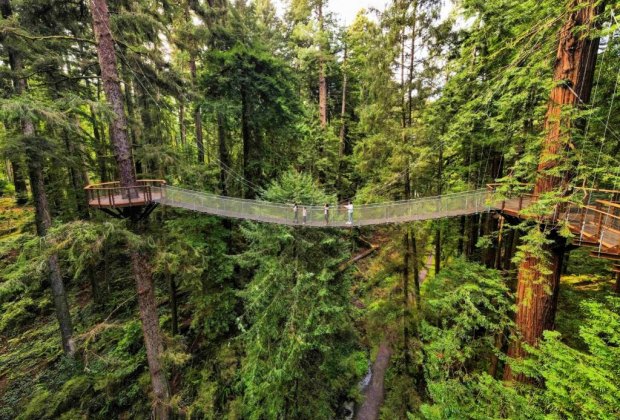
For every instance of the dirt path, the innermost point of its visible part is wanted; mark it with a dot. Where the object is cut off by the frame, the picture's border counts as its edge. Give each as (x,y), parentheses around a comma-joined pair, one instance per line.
(374,392)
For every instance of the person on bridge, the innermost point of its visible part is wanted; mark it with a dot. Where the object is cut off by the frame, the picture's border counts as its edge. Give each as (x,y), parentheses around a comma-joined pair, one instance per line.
(304,214)
(326,213)
(349,207)
(296,213)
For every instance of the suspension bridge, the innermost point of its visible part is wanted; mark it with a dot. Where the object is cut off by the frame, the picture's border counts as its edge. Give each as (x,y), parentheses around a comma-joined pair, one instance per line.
(594,219)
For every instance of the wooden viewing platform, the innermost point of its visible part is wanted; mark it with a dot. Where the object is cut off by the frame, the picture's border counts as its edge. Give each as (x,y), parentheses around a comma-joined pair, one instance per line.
(593,219)
(125,202)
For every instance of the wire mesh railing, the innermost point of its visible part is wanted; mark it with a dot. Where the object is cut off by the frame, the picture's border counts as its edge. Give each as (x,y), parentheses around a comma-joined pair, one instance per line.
(337,216)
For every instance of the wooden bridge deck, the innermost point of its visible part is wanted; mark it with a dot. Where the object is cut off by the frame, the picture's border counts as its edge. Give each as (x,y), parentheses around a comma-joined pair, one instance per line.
(594,223)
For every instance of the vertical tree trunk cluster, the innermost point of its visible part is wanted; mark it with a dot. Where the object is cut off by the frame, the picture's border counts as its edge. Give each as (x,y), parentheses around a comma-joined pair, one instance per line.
(538,278)
(139,259)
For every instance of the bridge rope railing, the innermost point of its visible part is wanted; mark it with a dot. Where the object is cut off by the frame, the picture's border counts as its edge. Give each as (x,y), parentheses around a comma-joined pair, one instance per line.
(426,208)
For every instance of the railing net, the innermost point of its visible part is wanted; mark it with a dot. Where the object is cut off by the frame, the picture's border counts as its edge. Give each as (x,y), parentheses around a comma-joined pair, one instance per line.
(363,214)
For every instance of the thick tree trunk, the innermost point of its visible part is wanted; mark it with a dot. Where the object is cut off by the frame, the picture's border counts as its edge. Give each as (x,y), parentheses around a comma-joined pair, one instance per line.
(150,330)
(139,260)
(537,289)
(114,95)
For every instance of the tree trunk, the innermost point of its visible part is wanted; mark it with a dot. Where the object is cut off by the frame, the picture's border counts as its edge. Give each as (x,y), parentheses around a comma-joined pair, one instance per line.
(343,128)
(150,329)
(43,223)
(537,289)
(100,144)
(223,151)
(174,311)
(508,249)
(139,260)
(406,309)
(416,269)
(114,95)
(322,79)
(461,243)
(246,136)
(197,116)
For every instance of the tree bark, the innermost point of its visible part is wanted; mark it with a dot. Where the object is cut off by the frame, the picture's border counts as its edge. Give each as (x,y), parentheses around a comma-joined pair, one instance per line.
(139,259)
(114,95)
(150,330)
(538,277)
(43,223)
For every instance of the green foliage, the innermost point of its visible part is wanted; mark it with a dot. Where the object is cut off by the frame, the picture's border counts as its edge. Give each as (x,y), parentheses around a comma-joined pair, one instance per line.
(298,331)
(464,309)
(582,384)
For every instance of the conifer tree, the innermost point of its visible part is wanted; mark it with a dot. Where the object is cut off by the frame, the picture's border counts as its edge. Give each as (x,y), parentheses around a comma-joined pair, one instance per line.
(140,265)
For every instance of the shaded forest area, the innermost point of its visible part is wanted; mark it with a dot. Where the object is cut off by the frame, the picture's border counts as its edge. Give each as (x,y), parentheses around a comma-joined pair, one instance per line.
(186,315)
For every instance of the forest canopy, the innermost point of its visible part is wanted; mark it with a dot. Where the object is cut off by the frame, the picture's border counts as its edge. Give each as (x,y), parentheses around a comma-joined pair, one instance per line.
(352,275)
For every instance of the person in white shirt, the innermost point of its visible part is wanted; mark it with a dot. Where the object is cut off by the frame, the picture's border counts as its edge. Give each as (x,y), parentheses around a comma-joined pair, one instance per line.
(296,213)
(350,213)
(304,214)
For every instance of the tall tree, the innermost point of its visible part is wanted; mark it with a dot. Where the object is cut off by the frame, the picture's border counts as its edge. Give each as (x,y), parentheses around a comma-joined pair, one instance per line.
(139,259)
(539,273)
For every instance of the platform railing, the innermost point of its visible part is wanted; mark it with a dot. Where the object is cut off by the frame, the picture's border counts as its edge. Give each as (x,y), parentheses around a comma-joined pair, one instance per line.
(112,194)
(364,214)
(593,214)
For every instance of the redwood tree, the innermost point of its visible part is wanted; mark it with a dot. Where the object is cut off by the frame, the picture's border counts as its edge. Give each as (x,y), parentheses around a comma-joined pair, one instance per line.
(539,275)
(139,258)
